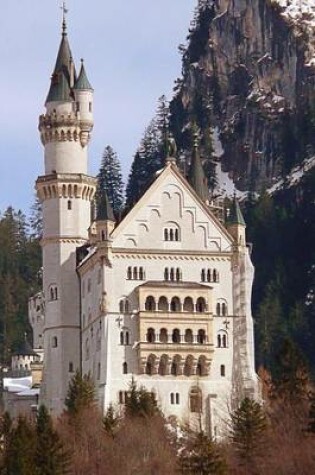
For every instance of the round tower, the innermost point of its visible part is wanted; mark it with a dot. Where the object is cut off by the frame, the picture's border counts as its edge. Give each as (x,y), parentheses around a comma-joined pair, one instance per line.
(66,192)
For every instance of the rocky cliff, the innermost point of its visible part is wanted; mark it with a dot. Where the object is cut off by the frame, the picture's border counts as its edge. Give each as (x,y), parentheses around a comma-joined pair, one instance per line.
(249,75)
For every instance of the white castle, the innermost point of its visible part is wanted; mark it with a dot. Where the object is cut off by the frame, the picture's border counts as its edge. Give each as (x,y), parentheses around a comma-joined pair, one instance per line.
(164,296)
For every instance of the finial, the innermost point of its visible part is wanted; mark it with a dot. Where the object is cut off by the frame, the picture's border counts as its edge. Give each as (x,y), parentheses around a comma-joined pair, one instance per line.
(64,23)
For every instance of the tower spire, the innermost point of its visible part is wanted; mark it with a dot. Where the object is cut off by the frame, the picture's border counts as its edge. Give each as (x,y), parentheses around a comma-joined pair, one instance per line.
(64,23)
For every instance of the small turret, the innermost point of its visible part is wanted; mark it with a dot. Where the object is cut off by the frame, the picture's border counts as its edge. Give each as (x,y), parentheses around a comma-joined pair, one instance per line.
(197,177)
(235,223)
(105,220)
(83,96)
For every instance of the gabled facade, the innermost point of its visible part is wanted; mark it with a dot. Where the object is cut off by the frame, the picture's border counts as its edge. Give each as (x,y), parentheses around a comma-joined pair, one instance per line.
(163,297)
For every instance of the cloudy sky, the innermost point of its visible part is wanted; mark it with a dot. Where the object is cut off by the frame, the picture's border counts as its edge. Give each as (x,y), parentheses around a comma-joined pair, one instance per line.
(131,57)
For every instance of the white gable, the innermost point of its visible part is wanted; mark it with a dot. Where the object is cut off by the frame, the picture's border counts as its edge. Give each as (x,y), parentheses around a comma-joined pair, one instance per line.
(170,206)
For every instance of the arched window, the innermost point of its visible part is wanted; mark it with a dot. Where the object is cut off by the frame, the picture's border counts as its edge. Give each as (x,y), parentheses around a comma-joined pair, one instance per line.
(122,339)
(176,336)
(126,338)
(129,273)
(172,399)
(69,204)
(172,274)
(222,370)
(103,235)
(201,336)
(195,400)
(163,335)
(222,339)
(177,398)
(54,342)
(176,237)
(201,305)
(203,275)
(151,335)
(209,275)
(121,306)
(189,336)
(166,274)
(135,273)
(171,233)
(150,365)
(163,304)
(165,234)
(188,367)
(188,305)
(215,275)
(178,274)
(224,309)
(51,293)
(163,365)
(150,304)
(125,368)
(141,273)
(218,309)
(175,367)
(70,367)
(202,366)
(56,293)
(175,304)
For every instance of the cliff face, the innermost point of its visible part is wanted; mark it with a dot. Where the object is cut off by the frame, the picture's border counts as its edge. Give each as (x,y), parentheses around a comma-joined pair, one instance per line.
(248,72)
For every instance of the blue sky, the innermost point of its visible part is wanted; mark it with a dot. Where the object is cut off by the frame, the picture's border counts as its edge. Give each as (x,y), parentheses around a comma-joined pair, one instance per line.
(131,57)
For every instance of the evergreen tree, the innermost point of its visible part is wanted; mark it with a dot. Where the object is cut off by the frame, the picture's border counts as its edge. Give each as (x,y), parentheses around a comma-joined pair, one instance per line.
(248,429)
(162,122)
(19,457)
(110,421)
(140,403)
(50,455)
(110,179)
(291,378)
(200,455)
(81,394)
(36,219)
(311,414)
(146,162)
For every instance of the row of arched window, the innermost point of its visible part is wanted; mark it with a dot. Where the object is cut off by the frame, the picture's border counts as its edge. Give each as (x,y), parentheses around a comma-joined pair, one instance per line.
(221,309)
(175,336)
(175,304)
(124,306)
(172,274)
(124,337)
(176,366)
(209,275)
(171,234)
(135,273)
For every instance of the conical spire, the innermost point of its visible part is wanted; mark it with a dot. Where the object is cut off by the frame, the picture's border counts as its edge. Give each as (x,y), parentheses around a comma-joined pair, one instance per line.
(235,215)
(60,88)
(104,209)
(197,177)
(82,81)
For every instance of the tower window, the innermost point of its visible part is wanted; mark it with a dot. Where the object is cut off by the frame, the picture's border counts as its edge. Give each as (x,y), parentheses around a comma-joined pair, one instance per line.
(70,367)
(54,342)
(125,368)
(222,370)
(78,106)
(90,106)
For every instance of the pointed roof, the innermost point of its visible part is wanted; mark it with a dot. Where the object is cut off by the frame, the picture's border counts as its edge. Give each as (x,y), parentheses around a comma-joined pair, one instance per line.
(197,177)
(25,349)
(235,215)
(60,88)
(105,210)
(82,82)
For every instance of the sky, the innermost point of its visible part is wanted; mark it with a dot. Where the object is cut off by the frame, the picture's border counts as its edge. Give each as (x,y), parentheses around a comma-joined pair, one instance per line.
(131,58)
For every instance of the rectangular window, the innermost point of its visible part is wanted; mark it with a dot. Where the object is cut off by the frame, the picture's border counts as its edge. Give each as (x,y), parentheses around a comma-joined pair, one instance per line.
(90,106)
(177,398)
(78,106)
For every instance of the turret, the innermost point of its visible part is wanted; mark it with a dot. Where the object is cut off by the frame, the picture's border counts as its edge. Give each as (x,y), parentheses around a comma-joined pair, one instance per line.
(197,177)
(235,223)
(105,220)
(83,96)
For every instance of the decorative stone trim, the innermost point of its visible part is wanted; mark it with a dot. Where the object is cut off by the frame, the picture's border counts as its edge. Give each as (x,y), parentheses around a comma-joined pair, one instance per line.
(66,186)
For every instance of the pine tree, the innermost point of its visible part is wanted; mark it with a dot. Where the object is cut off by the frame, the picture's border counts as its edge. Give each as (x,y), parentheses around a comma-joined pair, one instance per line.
(140,403)
(110,421)
(19,457)
(162,122)
(110,179)
(81,394)
(146,162)
(36,219)
(50,455)
(248,429)
(200,455)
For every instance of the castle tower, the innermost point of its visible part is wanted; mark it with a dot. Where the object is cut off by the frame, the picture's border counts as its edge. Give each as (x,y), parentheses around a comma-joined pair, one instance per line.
(66,192)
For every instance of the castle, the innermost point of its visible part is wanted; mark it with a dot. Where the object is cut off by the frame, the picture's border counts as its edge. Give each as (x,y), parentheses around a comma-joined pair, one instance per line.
(164,296)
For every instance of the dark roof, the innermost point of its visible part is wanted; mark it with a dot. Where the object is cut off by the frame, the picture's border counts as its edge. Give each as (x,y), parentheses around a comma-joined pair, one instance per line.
(197,177)
(235,215)
(60,89)
(104,209)
(174,284)
(82,82)
(25,349)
